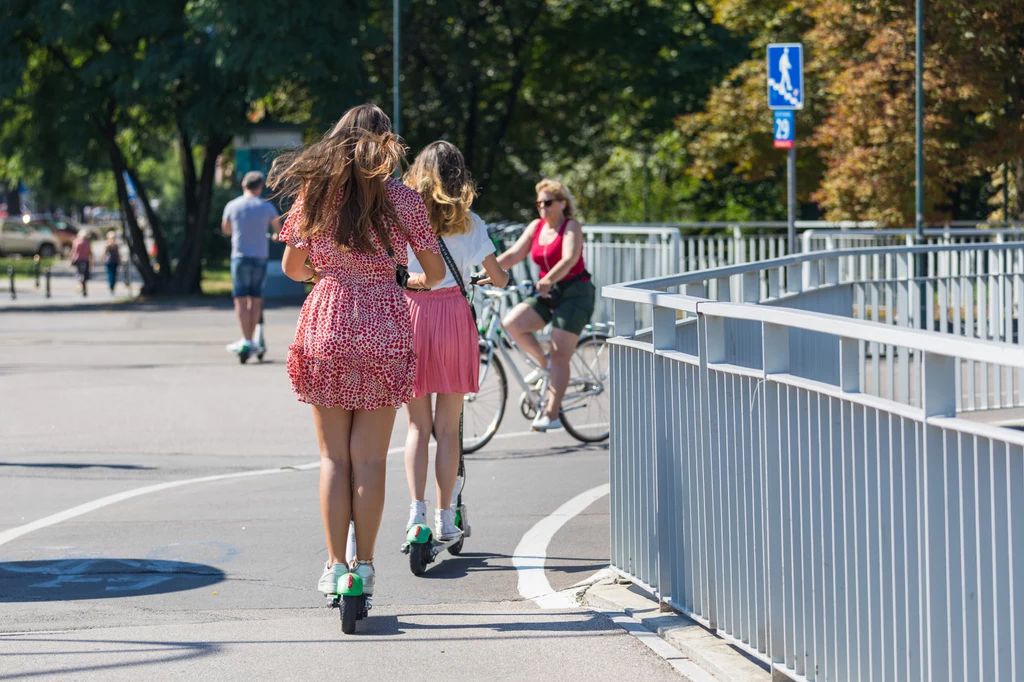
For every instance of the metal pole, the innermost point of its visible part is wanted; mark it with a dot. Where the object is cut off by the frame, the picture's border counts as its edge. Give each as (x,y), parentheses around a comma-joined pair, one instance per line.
(791,199)
(1006,192)
(919,199)
(919,164)
(10,274)
(396,111)
(47,281)
(396,107)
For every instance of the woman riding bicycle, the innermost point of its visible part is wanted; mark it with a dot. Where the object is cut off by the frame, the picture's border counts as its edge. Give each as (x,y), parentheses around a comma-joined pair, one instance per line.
(565,296)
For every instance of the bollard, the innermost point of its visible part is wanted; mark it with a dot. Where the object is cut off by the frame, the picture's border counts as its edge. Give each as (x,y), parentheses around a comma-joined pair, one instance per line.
(36,266)
(10,275)
(47,281)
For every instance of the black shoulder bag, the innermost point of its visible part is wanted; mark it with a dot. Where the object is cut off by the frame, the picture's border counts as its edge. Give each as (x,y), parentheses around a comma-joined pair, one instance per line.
(450,262)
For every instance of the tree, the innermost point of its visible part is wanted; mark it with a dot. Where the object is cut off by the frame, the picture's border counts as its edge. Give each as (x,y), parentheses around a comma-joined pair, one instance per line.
(550,85)
(120,80)
(857,134)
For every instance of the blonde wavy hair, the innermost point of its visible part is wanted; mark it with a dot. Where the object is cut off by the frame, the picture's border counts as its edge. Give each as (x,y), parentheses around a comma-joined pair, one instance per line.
(561,193)
(342,180)
(440,176)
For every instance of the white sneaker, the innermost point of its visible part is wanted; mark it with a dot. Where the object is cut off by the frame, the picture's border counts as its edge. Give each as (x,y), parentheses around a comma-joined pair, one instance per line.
(417,514)
(460,482)
(542,423)
(350,546)
(364,569)
(236,347)
(328,583)
(444,524)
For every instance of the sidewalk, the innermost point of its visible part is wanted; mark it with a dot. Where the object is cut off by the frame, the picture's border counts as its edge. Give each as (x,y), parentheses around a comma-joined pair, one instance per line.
(64,291)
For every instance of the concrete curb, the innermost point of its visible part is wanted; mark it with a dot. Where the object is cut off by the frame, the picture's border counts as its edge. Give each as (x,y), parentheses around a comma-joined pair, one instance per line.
(716,658)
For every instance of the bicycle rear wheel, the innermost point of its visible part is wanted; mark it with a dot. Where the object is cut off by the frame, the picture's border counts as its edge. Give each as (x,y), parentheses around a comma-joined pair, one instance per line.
(484,410)
(586,407)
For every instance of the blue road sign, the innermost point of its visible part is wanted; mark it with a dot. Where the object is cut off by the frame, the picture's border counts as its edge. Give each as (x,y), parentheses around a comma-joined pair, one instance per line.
(785,76)
(785,129)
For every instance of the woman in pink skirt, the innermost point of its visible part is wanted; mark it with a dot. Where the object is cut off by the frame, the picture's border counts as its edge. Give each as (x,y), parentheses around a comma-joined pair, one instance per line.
(353,357)
(444,333)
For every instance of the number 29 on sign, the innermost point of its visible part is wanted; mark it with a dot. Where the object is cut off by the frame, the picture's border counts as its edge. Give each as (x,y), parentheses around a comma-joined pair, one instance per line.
(785,129)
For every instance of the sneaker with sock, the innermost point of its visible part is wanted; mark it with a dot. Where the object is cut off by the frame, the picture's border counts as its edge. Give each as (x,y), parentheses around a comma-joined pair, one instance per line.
(364,569)
(417,514)
(328,583)
(544,423)
(444,525)
(236,346)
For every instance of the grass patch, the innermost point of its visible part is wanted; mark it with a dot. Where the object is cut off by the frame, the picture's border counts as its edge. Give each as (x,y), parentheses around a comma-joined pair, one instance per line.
(25,267)
(216,279)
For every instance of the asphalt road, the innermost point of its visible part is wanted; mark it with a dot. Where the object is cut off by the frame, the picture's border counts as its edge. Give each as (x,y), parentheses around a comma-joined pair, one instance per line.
(216,579)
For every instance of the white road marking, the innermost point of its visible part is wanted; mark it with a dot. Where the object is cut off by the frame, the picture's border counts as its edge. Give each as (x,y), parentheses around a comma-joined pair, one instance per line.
(74,512)
(529,559)
(531,553)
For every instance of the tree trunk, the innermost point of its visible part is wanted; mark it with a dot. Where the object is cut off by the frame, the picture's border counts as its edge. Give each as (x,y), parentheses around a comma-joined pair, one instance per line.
(198,201)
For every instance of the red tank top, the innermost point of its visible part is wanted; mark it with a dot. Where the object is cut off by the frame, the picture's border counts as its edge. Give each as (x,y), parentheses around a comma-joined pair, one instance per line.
(547,256)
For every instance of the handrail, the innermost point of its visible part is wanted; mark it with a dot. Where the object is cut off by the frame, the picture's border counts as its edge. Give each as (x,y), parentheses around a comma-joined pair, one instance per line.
(614,290)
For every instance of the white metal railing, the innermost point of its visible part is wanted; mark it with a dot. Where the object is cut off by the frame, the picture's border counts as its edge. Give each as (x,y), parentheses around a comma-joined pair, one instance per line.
(836,529)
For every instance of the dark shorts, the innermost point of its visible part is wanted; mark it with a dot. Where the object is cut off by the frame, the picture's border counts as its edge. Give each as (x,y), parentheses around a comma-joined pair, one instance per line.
(247,277)
(573,310)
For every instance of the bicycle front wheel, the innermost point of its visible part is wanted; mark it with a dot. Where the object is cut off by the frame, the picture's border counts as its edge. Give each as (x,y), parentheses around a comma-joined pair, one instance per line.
(586,407)
(483,410)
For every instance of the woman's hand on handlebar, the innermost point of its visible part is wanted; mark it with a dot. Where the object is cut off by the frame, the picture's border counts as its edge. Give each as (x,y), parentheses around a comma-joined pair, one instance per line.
(543,287)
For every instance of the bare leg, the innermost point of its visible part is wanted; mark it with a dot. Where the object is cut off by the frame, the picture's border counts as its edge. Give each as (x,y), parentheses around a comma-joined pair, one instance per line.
(368,444)
(446,430)
(242,312)
(563,345)
(255,308)
(521,323)
(333,429)
(417,443)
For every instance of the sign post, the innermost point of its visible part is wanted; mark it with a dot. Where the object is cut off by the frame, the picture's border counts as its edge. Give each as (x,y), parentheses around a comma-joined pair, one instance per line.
(785,96)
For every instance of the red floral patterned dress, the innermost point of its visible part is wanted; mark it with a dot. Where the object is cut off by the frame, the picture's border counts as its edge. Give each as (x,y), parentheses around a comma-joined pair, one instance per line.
(353,343)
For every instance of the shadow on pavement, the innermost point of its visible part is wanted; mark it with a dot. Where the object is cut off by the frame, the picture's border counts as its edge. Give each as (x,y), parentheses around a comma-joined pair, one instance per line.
(65,465)
(100,578)
(448,567)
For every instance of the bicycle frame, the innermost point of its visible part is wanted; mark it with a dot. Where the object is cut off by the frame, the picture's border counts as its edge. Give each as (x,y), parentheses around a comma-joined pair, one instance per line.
(495,337)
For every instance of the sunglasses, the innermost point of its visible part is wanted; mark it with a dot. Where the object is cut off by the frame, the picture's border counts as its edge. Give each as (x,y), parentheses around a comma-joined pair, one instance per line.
(546,203)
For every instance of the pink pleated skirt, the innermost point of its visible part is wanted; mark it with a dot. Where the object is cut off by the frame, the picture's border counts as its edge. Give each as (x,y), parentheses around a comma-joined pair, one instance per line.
(445,342)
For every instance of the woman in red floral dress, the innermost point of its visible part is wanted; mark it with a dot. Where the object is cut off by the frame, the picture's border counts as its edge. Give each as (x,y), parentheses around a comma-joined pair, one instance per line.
(353,358)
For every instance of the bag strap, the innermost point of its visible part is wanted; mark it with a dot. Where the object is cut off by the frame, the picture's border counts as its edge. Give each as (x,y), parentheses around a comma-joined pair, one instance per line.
(450,262)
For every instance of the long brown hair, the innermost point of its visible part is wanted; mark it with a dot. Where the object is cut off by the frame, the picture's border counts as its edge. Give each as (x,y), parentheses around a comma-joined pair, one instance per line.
(341,180)
(439,174)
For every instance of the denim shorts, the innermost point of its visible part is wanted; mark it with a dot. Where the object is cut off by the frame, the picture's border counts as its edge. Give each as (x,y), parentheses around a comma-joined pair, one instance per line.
(247,277)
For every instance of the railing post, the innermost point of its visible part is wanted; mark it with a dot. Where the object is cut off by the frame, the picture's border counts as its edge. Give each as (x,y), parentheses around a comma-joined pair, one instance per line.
(794,279)
(711,348)
(665,508)
(775,360)
(938,399)
(625,318)
(831,271)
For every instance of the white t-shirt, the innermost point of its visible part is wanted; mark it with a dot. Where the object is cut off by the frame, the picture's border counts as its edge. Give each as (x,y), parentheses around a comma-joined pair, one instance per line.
(467,250)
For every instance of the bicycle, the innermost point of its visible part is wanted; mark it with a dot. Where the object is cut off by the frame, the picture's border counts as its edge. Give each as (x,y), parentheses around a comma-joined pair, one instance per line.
(585,407)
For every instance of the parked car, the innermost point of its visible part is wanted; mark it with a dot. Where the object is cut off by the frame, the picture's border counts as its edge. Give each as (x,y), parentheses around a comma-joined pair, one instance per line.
(19,237)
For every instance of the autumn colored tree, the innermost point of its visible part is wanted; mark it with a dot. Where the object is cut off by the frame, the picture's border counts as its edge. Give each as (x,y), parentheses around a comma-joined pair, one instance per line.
(857,133)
